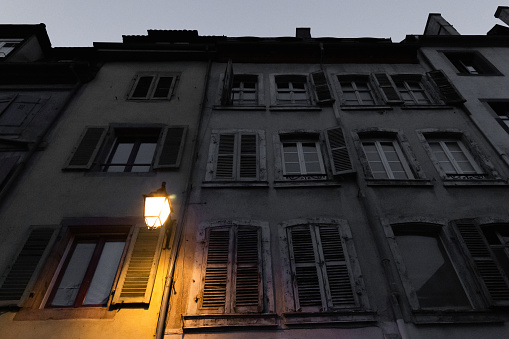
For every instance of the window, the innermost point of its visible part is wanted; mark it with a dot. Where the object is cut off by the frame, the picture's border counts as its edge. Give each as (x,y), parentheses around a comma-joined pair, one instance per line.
(236,155)
(244,90)
(429,277)
(153,86)
(302,158)
(386,159)
(501,108)
(356,91)
(412,91)
(471,63)
(128,149)
(7,46)
(292,90)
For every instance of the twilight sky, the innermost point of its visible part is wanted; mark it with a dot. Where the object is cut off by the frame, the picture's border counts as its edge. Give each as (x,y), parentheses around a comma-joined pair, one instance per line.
(81,22)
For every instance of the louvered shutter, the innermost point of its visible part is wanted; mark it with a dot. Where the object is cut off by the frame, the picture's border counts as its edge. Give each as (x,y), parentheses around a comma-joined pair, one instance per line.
(389,92)
(336,273)
(247,271)
(308,286)
(478,250)
(170,147)
(338,151)
(226,94)
(84,154)
(216,271)
(20,108)
(447,91)
(16,282)
(225,156)
(322,90)
(248,158)
(139,271)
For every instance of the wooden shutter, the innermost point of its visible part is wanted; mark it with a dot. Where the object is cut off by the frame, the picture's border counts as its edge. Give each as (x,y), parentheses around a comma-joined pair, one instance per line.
(5,101)
(170,147)
(20,108)
(217,266)
(226,97)
(248,157)
(336,272)
(6,166)
(307,284)
(225,156)
(139,271)
(85,152)
(477,249)
(322,90)
(16,282)
(387,87)
(448,92)
(247,271)
(338,151)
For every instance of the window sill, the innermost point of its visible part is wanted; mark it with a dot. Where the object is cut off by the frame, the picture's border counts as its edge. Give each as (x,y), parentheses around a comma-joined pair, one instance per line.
(394,182)
(295,108)
(347,318)
(27,314)
(241,184)
(304,183)
(456,317)
(474,182)
(120,174)
(430,106)
(365,108)
(229,321)
(480,75)
(240,108)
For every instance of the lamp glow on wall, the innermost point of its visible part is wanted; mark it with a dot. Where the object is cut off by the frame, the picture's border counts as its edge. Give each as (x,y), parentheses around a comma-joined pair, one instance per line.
(157,207)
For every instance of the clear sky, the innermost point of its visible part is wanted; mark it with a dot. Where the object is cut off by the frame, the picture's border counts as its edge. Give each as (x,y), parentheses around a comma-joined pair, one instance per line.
(81,22)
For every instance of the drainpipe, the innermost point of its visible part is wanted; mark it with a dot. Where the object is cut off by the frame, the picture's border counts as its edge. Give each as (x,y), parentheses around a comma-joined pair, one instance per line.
(165,303)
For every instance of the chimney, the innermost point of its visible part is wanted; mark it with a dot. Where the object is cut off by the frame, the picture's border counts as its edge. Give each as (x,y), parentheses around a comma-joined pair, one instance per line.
(303,32)
(502,13)
(437,25)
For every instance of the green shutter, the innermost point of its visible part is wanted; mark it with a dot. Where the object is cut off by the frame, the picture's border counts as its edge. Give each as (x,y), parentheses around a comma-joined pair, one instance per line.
(85,152)
(338,151)
(171,147)
(322,90)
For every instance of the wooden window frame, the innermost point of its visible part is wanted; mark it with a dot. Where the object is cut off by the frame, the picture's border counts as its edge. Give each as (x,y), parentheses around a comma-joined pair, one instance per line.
(405,81)
(385,161)
(153,86)
(479,64)
(354,80)
(302,161)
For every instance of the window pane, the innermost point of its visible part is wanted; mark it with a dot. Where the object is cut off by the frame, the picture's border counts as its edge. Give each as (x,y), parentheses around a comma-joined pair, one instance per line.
(145,153)
(163,87)
(100,287)
(122,153)
(74,273)
(142,87)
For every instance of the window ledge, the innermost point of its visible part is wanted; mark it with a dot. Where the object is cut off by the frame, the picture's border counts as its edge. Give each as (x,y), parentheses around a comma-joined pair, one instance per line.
(240,108)
(457,317)
(241,184)
(474,182)
(27,314)
(229,321)
(120,174)
(365,108)
(295,108)
(328,318)
(394,182)
(305,183)
(431,106)
(480,75)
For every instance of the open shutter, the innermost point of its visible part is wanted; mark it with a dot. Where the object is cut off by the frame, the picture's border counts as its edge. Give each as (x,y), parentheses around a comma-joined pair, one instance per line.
(20,108)
(322,90)
(216,272)
(247,271)
(338,151)
(448,92)
(336,272)
(226,94)
(248,160)
(139,271)
(225,156)
(478,250)
(5,101)
(306,281)
(170,147)
(16,282)
(387,87)
(84,153)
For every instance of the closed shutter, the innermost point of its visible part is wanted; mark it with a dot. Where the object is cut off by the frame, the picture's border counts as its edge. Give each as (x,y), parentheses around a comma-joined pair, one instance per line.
(447,91)
(216,271)
(247,271)
(336,270)
(338,151)
(226,94)
(6,166)
(171,147)
(20,108)
(138,274)
(478,250)
(248,158)
(16,282)
(322,90)
(389,92)
(225,156)
(83,155)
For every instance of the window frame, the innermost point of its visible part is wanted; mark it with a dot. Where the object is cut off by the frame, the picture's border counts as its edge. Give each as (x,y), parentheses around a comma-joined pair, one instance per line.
(481,66)
(301,158)
(418,79)
(500,111)
(290,78)
(153,86)
(356,78)
(242,78)
(3,41)
(385,161)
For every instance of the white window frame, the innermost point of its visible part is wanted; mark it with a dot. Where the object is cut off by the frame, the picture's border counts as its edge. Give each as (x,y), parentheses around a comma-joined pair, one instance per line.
(452,160)
(290,78)
(353,83)
(242,78)
(300,154)
(153,85)
(4,51)
(385,161)
(411,92)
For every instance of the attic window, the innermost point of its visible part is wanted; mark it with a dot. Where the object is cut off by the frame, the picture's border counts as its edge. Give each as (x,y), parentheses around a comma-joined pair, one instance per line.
(7,45)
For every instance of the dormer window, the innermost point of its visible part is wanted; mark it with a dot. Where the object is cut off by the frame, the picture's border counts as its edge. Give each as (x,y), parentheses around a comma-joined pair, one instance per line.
(7,45)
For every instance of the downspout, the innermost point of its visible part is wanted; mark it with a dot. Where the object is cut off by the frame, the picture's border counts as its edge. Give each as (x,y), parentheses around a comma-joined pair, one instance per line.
(165,303)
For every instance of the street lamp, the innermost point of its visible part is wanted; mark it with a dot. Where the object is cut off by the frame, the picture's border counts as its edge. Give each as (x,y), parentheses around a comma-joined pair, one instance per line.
(157,207)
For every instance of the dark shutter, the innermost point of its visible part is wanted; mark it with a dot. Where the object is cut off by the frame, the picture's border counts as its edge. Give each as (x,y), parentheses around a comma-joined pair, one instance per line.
(5,101)
(478,250)
(307,284)
(336,268)
(388,89)
(338,151)
(21,274)
(323,93)
(248,161)
(248,294)
(171,147)
(19,109)
(138,274)
(216,271)
(83,155)
(225,156)
(226,94)
(447,91)
(6,166)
